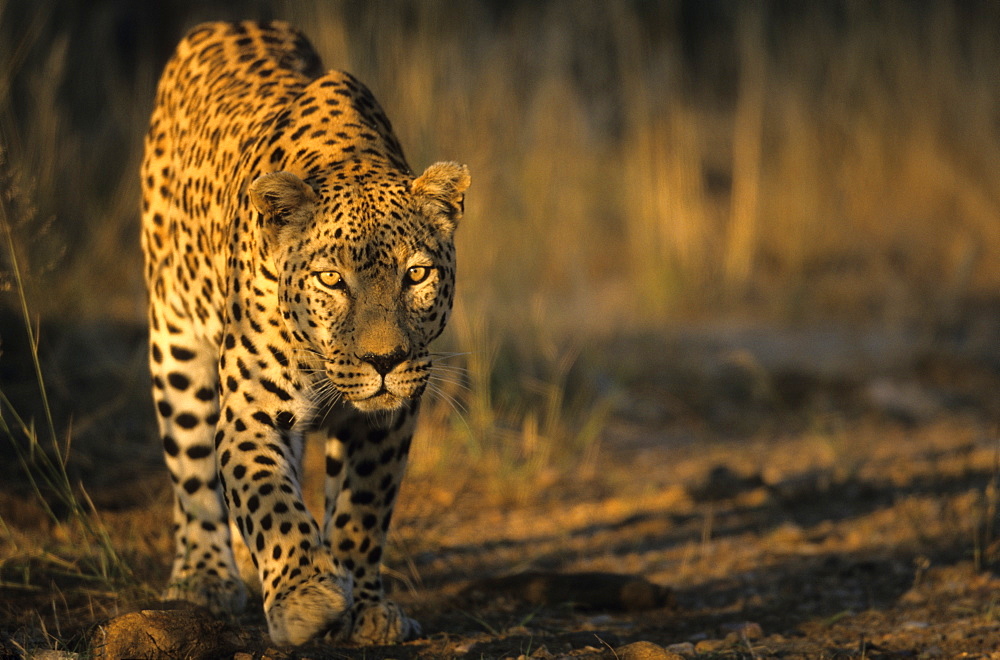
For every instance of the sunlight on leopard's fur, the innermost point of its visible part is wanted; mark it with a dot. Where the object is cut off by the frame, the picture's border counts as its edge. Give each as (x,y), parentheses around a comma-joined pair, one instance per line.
(297,271)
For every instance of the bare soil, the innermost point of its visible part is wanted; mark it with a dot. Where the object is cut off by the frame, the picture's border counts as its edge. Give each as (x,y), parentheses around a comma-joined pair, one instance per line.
(737,507)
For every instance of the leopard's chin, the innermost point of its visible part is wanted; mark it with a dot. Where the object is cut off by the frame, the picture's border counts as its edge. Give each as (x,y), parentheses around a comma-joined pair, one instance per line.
(388,396)
(381,401)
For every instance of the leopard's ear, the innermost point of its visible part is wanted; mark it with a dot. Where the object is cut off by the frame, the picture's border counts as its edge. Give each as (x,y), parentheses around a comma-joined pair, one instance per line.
(282,199)
(439,193)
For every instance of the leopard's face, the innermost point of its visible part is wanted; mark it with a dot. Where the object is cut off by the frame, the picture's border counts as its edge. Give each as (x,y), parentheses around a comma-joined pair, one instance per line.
(366,281)
(366,323)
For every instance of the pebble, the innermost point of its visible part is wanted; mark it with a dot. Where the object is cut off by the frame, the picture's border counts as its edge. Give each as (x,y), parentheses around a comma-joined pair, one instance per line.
(710,645)
(682,648)
(914,625)
(164,633)
(599,620)
(645,651)
(744,630)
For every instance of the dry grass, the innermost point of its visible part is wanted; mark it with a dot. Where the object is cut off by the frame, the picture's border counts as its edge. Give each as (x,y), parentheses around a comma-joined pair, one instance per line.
(858,160)
(831,160)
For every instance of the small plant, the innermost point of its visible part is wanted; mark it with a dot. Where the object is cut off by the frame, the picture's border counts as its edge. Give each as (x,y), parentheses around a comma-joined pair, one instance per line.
(986,544)
(43,458)
(522,419)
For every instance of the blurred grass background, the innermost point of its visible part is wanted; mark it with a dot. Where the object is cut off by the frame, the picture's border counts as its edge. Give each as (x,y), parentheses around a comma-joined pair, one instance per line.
(634,161)
(637,166)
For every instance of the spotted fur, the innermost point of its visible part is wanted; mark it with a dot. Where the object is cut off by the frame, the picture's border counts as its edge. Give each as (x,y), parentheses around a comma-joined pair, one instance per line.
(297,271)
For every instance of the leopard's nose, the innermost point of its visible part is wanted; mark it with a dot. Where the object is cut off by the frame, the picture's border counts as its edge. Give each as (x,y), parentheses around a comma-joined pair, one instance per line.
(384,362)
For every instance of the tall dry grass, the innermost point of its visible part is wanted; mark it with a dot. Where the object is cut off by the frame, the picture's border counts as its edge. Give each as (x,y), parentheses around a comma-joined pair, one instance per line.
(860,143)
(847,154)
(633,164)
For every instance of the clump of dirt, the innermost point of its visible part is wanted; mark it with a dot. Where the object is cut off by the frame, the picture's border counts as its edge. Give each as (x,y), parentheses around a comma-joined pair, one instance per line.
(156,634)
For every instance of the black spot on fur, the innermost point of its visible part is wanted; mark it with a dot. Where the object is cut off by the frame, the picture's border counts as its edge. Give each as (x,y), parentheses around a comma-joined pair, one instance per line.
(273,388)
(263,418)
(178,380)
(170,446)
(362,497)
(285,420)
(181,354)
(198,451)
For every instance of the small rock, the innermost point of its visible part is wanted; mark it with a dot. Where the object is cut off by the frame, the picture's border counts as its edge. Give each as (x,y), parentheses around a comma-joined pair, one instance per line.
(809,486)
(464,647)
(914,625)
(738,377)
(682,648)
(744,630)
(599,620)
(723,483)
(155,634)
(710,645)
(275,654)
(645,651)
(907,402)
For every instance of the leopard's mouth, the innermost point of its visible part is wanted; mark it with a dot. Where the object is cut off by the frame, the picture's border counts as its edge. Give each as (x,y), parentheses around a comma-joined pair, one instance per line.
(381,400)
(384,393)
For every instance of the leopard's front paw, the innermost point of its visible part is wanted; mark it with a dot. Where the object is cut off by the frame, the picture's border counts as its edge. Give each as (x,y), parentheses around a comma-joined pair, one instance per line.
(307,607)
(221,595)
(381,622)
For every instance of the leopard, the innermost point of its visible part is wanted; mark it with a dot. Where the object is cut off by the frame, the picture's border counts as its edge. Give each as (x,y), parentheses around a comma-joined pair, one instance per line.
(297,270)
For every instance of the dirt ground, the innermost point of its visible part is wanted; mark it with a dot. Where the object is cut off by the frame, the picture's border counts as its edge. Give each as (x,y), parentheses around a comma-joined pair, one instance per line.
(782,513)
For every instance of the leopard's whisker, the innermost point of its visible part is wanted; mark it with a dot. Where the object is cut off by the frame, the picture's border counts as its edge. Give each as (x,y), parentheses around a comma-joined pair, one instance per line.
(454,403)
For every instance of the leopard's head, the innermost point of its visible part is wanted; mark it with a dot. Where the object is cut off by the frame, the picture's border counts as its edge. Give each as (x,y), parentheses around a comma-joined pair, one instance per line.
(365,263)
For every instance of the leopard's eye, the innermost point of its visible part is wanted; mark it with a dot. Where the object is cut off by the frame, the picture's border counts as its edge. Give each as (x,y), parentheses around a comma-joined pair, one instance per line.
(417,274)
(330,279)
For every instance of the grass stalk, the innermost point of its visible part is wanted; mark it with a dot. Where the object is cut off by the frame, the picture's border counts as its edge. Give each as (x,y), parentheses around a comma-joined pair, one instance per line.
(748,120)
(45,461)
